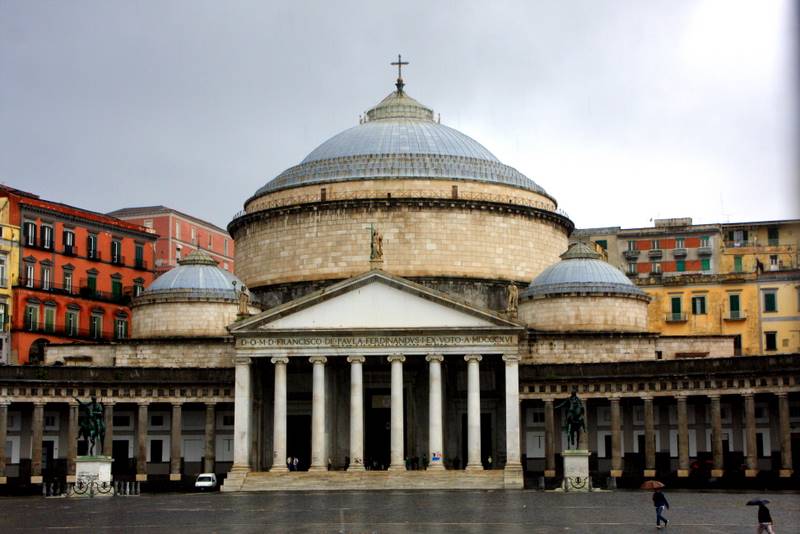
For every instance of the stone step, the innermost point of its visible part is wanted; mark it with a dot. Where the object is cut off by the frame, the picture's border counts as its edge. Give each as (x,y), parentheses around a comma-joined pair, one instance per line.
(371,480)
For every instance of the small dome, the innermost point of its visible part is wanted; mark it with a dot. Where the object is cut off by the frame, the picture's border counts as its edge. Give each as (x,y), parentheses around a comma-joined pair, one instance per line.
(582,271)
(198,274)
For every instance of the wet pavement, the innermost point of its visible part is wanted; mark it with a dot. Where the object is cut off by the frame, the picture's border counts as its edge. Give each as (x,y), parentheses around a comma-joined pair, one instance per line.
(390,512)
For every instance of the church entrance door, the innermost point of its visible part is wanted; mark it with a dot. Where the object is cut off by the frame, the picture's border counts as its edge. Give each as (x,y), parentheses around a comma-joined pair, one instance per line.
(298,440)
(377,432)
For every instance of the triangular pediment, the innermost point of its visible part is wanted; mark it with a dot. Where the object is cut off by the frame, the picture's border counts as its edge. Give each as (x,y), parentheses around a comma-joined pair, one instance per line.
(374,301)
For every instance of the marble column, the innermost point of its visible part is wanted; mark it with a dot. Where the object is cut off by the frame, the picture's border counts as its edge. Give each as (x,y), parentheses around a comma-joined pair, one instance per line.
(242,411)
(616,438)
(142,425)
(356,413)
(649,439)
(785,433)
(751,458)
(683,436)
(209,454)
(397,449)
(513,467)
(36,442)
(3,433)
(549,439)
(72,440)
(108,419)
(175,442)
(318,459)
(473,412)
(435,432)
(279,417)
(717,469)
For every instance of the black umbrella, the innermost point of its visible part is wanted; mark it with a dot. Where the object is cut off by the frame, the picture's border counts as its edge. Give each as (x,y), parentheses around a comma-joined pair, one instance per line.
(757,502)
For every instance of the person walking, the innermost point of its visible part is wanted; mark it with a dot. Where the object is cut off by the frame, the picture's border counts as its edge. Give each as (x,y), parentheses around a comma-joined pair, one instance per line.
(764,520)
(660,502)
(289,463)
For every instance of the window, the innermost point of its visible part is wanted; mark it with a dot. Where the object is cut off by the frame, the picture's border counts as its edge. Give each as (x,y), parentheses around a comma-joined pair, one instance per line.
(178,253)
(194,235)
(139,256)
(655,268)
(679,242)
(738,237)
(631,245)
(138,287)
(148,223)
(91,247)
(680,265)
(699,305)
(210,240)
(3,315)
(47,237)
(96,326)
(68,281)
(771,339)
(733,303)
(29,234)
(772,236)
(29,275)
(91,283)
(50,318)
(69,242)
(770,300)
(225,265)
(71,322)
(116,251)
(773,262)
(121,328)
(177,230)
(603,243)
(705,264)
(116,287)
(675,305)
(225,246)
(157,421)
(47,277)
(32,317)
(655,244)
(122,421)
(632,267)
(737,264)
(2,271)
(705,241)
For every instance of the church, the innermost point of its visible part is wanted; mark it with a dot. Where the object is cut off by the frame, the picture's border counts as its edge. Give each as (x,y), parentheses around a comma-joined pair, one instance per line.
(407,312)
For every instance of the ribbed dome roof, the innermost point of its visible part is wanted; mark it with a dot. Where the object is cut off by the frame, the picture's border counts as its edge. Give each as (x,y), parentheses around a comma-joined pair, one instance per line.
(399,139)
(582,271)
(199,274)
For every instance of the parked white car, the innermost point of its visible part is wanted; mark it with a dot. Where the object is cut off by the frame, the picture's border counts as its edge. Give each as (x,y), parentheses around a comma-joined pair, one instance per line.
(206,481)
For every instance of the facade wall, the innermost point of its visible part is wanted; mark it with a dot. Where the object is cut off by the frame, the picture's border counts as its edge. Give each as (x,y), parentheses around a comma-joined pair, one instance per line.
(146,353)
(585,313)
(189,318)
(576,348)
(672,347)
(9,271)
(417,241)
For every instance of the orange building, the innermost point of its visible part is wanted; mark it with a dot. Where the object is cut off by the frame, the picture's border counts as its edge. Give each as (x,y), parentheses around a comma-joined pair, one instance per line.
(179,234)
(78,271)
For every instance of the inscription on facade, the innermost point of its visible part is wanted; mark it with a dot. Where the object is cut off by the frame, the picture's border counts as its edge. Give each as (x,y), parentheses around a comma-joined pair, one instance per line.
(376,342)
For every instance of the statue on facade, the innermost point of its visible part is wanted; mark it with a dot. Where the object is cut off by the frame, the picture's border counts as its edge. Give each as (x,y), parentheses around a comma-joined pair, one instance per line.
(512,298)
(575,422)
(376,245)
(244,301)
(91,424)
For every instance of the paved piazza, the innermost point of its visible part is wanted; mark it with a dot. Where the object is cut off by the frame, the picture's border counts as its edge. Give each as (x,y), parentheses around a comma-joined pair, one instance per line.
(396,512)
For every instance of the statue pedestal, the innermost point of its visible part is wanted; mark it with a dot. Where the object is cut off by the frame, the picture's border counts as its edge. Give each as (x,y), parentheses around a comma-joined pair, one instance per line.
(576,470)
(92,477)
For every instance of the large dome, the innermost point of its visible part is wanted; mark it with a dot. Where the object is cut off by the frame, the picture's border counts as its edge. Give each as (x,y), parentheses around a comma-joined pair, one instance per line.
(399,139)
(198,273)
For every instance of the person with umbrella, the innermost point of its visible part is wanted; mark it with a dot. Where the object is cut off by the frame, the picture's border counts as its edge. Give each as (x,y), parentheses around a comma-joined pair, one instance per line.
(659,501)
(764,517)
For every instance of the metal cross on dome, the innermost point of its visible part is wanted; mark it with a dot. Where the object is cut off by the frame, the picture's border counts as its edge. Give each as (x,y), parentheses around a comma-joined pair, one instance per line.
(399,64)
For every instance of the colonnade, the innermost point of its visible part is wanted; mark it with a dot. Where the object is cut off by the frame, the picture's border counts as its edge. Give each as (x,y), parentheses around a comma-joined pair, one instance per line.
(141,432)
(243,438)
(681,406)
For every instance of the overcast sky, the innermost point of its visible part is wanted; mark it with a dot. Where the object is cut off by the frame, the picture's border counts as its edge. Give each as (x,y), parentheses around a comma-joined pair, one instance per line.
(622,110)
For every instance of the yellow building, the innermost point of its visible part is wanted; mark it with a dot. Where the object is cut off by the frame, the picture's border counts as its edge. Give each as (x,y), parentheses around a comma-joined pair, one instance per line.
(751,291)
(9,269)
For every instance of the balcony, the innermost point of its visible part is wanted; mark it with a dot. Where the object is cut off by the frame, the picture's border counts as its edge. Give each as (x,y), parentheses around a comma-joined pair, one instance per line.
(88,292)
(65,331)
(94,255)
(739,243)
(117,259)
(676,318)
(140,264)
(631,254)
(735,316)
(704,251)
(45,285)
(70,250)
(655,253)
(84,291)
(679,253)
